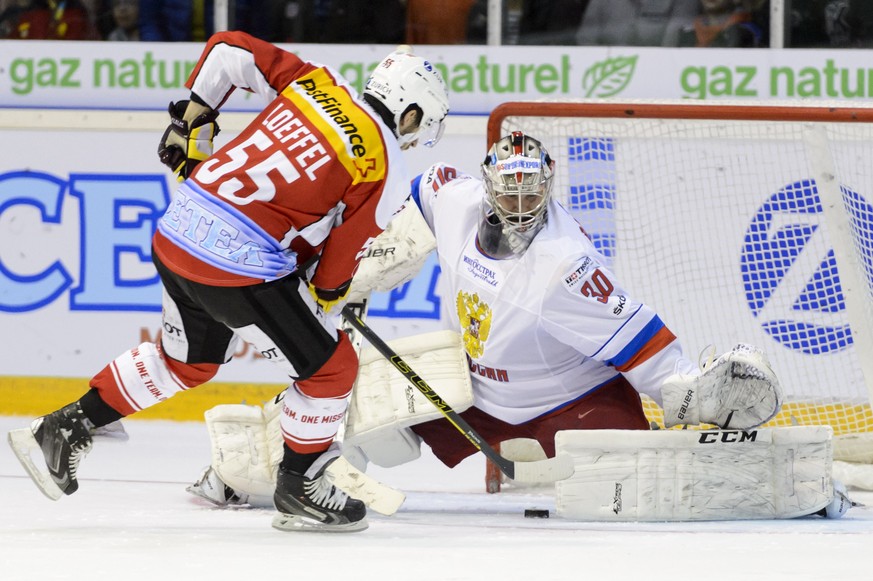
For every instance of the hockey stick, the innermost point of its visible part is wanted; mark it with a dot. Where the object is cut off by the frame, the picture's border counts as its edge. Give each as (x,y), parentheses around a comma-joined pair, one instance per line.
(549,470)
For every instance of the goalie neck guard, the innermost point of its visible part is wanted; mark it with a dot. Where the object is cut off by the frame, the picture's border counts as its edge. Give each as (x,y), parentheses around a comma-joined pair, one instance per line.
(517,175)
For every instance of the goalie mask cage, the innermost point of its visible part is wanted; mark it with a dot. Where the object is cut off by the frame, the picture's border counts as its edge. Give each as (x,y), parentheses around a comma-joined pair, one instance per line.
(737,223)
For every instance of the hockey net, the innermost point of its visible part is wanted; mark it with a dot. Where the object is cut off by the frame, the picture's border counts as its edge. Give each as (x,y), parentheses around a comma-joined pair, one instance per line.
(736,222)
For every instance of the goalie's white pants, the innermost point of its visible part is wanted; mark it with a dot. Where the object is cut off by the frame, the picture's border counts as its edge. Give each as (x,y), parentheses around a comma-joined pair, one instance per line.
(671,475)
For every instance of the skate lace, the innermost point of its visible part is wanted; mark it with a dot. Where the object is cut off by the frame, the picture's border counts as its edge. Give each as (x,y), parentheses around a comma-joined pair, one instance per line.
(324,494)
(78,436)
(79,449)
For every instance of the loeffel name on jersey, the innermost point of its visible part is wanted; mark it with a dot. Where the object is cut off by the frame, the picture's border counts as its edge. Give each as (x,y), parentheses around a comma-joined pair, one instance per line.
(574,278)
(286,127)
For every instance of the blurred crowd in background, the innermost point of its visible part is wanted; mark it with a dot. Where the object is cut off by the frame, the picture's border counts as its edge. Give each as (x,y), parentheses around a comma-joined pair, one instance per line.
(694,23)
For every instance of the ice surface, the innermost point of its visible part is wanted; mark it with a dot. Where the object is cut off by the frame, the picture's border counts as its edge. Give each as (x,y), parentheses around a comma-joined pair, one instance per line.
(132,520)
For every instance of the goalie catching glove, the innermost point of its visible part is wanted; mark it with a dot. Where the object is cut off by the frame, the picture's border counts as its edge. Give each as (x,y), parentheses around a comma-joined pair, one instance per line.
(738,390)
(188,139)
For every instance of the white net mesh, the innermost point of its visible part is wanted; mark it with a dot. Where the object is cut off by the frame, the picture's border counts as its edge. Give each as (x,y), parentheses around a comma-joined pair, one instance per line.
(734,230)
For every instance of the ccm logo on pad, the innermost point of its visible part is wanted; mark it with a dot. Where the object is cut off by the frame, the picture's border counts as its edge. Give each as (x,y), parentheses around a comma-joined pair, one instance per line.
(727,437)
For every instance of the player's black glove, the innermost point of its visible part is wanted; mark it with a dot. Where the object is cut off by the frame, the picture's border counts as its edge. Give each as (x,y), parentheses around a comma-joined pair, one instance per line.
(188,139)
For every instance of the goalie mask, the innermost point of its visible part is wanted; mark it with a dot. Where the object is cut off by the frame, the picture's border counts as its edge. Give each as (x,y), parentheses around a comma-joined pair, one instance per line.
(403,81)
(518,186)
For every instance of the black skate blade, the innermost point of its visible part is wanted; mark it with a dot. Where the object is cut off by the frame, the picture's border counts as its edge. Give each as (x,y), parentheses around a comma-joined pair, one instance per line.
(23,443)
(295,523)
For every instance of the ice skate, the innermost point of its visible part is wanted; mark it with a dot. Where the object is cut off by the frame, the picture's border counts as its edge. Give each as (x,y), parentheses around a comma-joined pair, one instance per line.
(212,488)
(309,502)
(64,438)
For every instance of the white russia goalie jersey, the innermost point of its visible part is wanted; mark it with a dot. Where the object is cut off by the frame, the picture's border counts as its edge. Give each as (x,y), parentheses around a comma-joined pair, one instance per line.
(545,328)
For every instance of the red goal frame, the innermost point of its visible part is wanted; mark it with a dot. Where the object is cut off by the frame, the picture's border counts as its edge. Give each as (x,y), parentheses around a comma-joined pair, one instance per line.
(652,110)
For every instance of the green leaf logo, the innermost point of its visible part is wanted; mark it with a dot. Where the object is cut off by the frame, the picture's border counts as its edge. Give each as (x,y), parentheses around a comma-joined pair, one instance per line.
(609,77)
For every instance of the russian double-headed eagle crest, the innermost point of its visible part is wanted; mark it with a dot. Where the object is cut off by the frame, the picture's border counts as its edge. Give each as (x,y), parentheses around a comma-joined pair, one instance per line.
(475,317)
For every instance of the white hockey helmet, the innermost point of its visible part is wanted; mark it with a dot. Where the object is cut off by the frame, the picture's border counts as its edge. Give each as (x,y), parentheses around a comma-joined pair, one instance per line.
(518,180)
(403,80)
(517,176)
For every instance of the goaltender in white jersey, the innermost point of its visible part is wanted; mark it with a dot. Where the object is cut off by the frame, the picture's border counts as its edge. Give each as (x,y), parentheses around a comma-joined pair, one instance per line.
(544,326)
(552,342)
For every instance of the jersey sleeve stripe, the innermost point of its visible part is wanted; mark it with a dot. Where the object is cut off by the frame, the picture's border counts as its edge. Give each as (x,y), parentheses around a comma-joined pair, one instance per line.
(653,338)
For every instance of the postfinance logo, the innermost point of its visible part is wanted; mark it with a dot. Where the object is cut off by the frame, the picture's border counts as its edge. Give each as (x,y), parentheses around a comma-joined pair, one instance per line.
(609,77)
(790,273)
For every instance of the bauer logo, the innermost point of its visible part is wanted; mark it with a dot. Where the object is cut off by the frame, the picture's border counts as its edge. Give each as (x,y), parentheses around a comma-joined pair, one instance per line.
(789,270)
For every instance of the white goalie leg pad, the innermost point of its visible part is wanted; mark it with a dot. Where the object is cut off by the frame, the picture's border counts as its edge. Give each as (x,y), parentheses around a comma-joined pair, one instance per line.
(383,401)
(247,449)
(854,475)
(388,448)
(246,440)
(241,454)
(396,255)
(854,447)
(739,390)
(672,475)
(377,496)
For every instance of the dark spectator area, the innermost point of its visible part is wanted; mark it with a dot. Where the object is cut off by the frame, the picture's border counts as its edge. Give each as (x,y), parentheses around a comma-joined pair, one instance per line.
(669,23)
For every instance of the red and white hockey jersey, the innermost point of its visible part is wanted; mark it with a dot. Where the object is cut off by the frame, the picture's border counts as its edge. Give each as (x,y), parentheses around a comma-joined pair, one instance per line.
(544,328)
(317,172)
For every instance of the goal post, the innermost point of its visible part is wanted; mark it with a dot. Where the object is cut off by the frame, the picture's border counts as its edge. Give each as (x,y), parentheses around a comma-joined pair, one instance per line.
(744,222)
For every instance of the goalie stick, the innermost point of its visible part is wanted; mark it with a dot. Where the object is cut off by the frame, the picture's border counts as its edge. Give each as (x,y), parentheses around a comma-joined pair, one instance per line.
(359,308)
(549,470)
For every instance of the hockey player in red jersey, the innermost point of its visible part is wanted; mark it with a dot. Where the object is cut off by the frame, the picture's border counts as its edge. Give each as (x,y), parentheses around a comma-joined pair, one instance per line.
(260,241)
